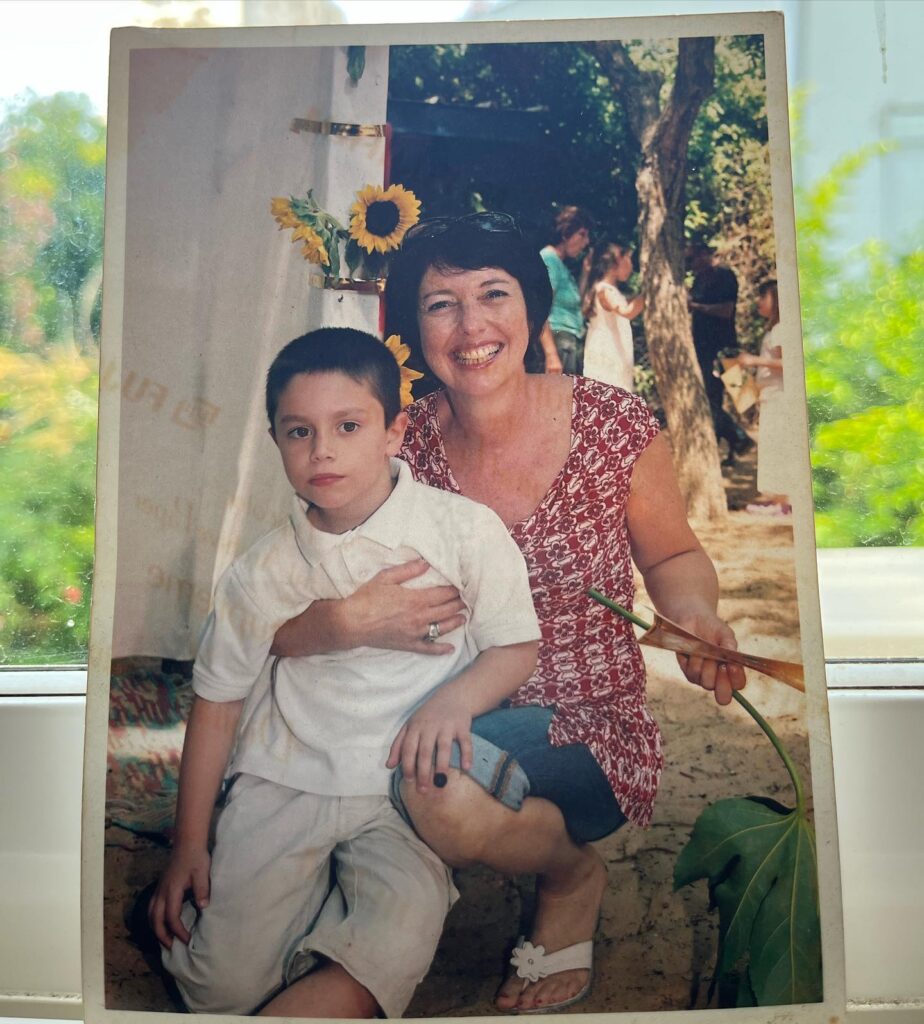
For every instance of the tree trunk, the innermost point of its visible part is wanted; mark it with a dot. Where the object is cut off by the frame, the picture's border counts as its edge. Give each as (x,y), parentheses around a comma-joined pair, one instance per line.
(663,136)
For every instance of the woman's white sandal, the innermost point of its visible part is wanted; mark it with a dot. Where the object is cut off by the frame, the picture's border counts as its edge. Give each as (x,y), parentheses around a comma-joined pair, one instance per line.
(533,963)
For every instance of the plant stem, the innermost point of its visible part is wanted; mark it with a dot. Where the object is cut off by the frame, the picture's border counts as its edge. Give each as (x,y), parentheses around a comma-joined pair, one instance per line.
(746,704)
(778,746)
(618,608)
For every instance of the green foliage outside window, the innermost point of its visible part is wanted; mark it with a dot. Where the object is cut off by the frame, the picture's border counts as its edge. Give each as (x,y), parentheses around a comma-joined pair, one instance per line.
(864,336)
(52,153)
(47,464)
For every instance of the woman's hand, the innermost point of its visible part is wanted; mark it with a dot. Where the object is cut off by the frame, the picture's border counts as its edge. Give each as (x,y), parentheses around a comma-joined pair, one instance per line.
(381,613)
(384,613)
(430,731)
(722,678)
(188,870)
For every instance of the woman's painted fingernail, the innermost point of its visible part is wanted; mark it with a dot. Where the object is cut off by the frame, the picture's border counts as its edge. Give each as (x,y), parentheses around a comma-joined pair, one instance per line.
(440,780)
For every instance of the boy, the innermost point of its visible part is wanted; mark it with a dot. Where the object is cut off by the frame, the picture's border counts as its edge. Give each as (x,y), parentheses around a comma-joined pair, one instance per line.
(318,899)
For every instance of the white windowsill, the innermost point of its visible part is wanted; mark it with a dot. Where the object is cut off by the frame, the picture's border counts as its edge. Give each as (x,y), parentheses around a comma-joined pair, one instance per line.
(56,681)
(872,604)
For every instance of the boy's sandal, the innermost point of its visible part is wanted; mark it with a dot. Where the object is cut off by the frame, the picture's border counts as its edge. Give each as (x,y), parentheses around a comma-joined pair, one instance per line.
(533,963)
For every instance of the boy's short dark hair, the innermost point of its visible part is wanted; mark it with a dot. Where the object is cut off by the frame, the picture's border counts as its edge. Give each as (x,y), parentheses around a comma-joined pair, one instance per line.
(357,354)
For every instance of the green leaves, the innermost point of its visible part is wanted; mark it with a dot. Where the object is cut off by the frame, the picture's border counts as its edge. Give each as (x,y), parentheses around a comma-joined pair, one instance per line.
(47,462)
(328,228)
(861,316)
(356,62)
(762,869)
(353,255)
(760,861)
(52,168)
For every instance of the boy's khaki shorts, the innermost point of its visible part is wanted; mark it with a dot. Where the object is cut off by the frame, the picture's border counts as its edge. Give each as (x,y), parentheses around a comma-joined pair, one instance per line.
(296,875)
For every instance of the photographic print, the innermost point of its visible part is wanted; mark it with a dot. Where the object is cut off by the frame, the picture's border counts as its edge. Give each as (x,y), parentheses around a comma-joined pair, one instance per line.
(461,686)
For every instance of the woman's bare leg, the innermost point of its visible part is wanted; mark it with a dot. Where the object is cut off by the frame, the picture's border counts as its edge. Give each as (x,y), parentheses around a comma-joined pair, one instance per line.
(465,825)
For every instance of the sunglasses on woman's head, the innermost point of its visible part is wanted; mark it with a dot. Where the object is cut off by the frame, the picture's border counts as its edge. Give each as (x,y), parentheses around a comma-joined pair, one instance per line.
(494,222)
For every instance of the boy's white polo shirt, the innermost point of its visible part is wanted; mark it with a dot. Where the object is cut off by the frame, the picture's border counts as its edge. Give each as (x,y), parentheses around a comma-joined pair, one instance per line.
(325,723)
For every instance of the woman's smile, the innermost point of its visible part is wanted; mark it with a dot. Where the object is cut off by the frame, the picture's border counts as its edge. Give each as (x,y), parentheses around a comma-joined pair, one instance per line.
(476,357)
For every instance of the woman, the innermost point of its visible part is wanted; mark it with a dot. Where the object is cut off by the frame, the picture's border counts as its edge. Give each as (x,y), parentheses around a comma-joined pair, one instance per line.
(577,472)
(561,336)
(608,350)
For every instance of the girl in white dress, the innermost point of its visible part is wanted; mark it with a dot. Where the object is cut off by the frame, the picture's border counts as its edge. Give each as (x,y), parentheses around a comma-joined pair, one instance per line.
(608,355)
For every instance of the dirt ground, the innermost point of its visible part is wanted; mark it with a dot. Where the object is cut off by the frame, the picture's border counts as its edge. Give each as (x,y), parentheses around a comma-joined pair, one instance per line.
(654,948)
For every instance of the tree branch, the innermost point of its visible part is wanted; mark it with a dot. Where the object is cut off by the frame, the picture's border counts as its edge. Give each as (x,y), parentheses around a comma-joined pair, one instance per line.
(640,91)
(693,83)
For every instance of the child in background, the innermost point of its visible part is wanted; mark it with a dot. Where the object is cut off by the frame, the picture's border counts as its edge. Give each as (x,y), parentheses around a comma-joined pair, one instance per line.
(773,428)
(608,349)
(317,899)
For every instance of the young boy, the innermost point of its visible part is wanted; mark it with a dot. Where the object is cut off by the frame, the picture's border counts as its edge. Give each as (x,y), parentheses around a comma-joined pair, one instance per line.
(318,899)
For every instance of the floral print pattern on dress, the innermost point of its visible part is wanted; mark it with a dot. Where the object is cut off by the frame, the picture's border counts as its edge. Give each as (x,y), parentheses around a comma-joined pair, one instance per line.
(590,667)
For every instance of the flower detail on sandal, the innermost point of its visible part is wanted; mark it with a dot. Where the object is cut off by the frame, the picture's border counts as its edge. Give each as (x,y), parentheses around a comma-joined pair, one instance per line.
(527,959)
(533,964)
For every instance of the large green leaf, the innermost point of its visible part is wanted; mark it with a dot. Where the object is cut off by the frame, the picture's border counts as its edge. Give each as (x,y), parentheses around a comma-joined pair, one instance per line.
(760,861)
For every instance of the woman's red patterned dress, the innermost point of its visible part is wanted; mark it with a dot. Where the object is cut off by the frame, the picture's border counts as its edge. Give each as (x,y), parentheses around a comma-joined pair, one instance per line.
(590,666)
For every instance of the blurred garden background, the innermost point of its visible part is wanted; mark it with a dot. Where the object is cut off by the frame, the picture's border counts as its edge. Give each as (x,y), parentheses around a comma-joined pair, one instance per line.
(861,308)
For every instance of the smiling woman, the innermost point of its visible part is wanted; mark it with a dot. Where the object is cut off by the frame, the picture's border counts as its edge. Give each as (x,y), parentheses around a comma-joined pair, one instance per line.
(480,241)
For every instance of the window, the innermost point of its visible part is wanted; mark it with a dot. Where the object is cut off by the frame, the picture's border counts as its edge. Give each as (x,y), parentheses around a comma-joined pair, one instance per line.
(51,191)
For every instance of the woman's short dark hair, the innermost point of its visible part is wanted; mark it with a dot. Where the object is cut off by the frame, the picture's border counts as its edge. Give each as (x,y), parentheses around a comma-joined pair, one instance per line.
(568,221)
(460,244)
(357,354)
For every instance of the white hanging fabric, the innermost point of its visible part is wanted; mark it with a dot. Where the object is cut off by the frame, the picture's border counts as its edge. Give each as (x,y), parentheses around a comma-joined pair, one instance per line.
(212,290)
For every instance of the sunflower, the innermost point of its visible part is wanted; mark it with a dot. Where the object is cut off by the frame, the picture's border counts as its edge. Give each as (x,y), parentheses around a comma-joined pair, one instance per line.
(281,209)
(314,250)
(382,216)
(408,376)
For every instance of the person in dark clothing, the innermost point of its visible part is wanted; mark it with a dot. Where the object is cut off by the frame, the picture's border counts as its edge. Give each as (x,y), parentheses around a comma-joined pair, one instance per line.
(712,305)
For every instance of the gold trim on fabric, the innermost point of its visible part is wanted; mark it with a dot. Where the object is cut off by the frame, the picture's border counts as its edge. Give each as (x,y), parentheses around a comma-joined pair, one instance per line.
(348,284)
(341,128)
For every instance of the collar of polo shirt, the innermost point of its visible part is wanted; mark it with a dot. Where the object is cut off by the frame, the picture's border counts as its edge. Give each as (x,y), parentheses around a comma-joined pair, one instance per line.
(387,525)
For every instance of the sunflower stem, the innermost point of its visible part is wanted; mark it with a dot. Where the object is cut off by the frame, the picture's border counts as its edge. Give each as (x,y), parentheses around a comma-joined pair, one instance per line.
(778,746)
(743,701)
(618,608)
